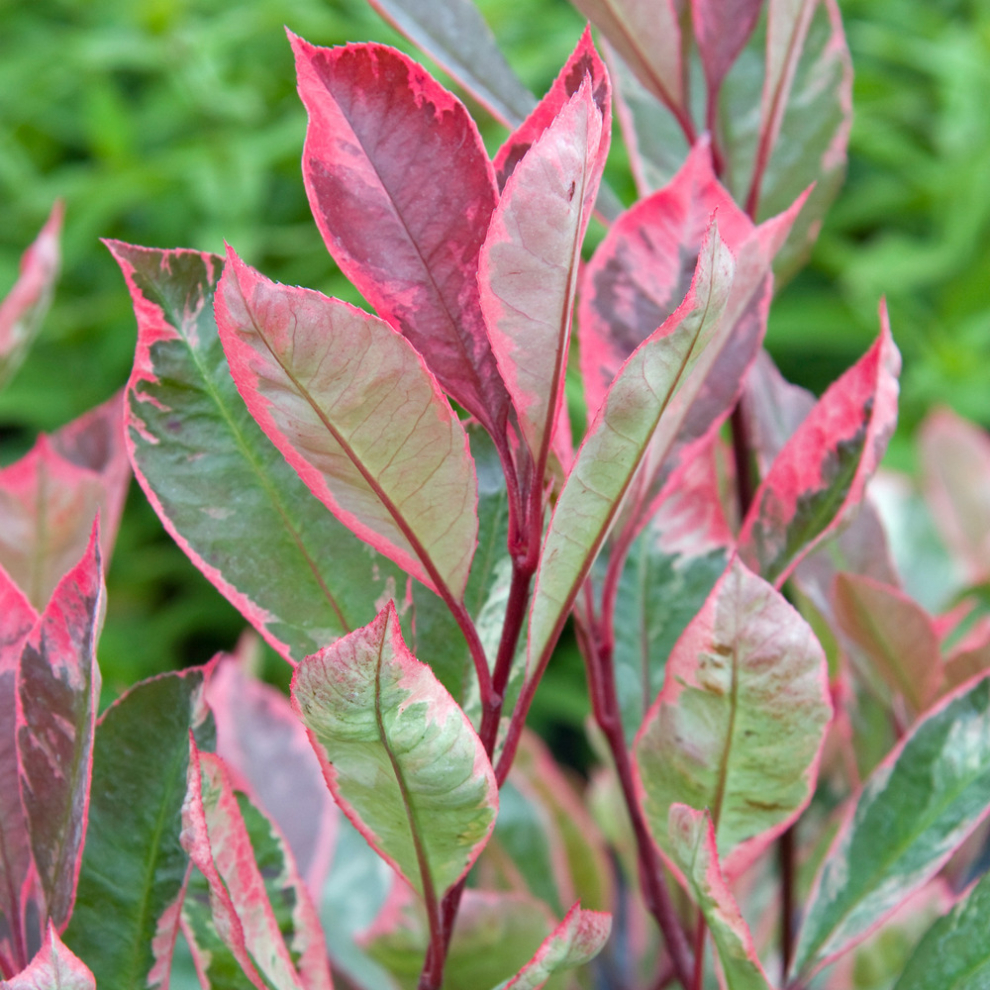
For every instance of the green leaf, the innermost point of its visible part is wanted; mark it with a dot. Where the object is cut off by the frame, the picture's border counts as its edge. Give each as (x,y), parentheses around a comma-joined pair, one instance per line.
(914,811)
(740,723)
(402,760)
(134,867)
(955,953)
(455,35)
(691,841)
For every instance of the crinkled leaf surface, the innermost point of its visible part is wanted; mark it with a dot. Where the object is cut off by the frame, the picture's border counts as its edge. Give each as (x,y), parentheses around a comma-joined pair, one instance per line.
(820,475)
(50,497)
(58,695)
(955,460)
(575,941)
(669,360)
(456,36)
(402,190)
(895,632)
(529,262)
(740,723)
(913,812)
(402,760)
(266,749)
(667,577)
(257,907)
(54,967)
(17,620)
(25,306)
(496,933)
(955,953)
(350,404)
(691,841)
(222,490)
(133,873)
(648,36)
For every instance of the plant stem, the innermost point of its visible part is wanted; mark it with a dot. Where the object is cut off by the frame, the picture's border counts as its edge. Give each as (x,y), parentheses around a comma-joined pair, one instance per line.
(785,850)
(699,953)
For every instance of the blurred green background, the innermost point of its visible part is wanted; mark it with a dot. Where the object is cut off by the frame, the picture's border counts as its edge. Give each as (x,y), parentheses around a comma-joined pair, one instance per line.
(176,123)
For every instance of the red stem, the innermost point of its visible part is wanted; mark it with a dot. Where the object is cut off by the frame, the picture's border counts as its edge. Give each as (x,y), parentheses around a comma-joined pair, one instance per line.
(699,953)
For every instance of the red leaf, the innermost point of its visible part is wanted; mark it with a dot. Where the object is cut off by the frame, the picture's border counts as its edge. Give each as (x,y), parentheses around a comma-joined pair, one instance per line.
(352,408)
(268,752)
(583,63)
(822,471)
(402,191)
(643,268)
(50,497)
(58,696)
(24,307)
(721,29)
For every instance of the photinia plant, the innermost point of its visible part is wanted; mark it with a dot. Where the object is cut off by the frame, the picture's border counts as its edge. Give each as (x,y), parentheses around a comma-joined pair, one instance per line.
(794,754)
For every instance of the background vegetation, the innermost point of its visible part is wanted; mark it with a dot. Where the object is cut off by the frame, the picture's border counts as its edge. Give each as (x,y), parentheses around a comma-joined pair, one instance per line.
(176,123)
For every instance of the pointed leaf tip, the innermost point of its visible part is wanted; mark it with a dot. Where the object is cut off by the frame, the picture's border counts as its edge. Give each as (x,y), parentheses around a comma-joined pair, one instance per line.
(401,758)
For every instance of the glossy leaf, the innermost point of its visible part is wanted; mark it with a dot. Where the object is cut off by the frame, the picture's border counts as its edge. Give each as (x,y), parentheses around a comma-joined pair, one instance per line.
(402,190)
(721,30)
(50,498)
(496,933)
(583,63)
(821,473)
(17,620)
(54,967)
(740,723)
(133,874)
(575,941)
(954,954)
(669,360)
(454,34)
(955,459)
(895,632)
(202,460)
(25,306)
(259,905)
(353,409)
(667,577)
(643,268)
(529,262)
(648,36)
(402,760)
(692,846)
(268,755)
(58,696)
(913,812)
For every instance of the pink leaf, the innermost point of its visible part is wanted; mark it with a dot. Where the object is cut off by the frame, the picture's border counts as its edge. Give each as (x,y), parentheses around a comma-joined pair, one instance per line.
(53,968)
(721,29)
(219,843)
(17,619)
(58,696)
(584,63)
(50,497)
(739,725)
(401,758)
(692,841)
(970,657)
(353,409)
(643,268)
(955,458)
(266,748)
(402,191)
(530,261)
(24,307)
(895,632)
(575,941)
(648,37)
(821,473)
